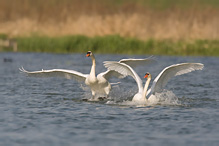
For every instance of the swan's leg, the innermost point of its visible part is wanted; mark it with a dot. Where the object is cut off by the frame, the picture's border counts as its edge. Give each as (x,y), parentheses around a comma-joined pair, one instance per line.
(107,94)
(92,98)
(107,90)
(93,94)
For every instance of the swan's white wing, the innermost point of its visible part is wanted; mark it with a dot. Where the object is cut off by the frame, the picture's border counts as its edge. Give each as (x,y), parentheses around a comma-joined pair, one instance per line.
(69,74)
(125,70)
(111,73)
(174,70)
(138,62)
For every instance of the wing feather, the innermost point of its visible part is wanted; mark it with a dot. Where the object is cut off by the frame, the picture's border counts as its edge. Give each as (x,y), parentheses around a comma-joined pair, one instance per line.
(125,70)
(69,74)
(111,73)
(138,62)
(174,70)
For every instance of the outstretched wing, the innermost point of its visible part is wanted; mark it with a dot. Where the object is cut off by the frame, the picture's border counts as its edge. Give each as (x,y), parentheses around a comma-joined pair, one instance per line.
(111,73)
(125,70)
(69,74)
(138,62)
(174,70)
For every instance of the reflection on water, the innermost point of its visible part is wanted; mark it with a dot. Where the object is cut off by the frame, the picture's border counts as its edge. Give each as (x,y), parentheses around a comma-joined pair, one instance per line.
(49,111)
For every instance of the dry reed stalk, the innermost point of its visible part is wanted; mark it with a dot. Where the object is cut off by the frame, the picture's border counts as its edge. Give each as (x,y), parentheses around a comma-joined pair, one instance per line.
(96,19)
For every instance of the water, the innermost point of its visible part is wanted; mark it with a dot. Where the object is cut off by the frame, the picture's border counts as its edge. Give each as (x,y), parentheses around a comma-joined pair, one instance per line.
(49,111)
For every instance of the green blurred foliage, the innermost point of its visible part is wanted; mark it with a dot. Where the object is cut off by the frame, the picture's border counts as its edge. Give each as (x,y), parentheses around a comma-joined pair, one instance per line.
(117,45)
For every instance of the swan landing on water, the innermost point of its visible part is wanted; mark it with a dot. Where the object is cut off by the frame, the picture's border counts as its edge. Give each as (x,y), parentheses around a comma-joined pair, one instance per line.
(159,82)
(98,84)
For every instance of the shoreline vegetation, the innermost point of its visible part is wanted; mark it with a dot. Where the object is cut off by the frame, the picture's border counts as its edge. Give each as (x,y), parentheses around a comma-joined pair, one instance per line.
(160,27)
(115,44)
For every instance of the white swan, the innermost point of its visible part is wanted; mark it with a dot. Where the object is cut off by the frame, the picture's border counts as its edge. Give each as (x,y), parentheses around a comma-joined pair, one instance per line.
(98,84)
(159,82)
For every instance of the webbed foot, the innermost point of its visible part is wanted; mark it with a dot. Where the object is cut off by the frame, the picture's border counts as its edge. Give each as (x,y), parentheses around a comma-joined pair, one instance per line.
(102,98)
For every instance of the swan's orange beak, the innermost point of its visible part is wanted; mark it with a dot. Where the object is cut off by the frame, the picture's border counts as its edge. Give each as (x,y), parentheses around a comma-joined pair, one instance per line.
(88,55)
(146,76)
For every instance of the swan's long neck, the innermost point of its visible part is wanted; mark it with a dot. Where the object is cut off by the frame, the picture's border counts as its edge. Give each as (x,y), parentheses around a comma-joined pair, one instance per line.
(92,71)
(146,87)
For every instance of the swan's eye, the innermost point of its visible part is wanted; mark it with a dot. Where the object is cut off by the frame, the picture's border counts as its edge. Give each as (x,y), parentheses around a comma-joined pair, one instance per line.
(146,75)
(88,54)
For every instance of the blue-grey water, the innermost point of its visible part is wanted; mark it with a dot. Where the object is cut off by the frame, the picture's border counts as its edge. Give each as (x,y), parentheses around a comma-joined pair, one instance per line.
(49,111)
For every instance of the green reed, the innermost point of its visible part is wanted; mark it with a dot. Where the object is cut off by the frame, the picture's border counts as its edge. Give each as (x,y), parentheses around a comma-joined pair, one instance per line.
(115,44)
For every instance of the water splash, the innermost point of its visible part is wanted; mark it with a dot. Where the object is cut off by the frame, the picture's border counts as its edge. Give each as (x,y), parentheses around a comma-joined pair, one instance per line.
(87,94)
(119,94)
(122,97)
(164,98)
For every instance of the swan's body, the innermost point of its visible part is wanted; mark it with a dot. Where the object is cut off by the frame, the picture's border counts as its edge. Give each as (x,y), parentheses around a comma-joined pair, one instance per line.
(159,82)
(141,96)
(98,84)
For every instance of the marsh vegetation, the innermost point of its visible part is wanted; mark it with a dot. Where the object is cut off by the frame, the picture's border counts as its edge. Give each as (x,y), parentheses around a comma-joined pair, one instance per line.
(181,27)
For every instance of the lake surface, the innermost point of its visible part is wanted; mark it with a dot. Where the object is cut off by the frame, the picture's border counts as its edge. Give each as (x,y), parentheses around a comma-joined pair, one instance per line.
(50,111)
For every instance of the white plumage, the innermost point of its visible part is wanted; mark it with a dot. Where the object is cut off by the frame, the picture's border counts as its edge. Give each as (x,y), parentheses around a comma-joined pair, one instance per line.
(159,82)
(98,84)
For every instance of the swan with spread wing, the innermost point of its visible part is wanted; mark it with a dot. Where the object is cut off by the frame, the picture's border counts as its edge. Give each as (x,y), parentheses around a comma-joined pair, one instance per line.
(159,82)
(98,84)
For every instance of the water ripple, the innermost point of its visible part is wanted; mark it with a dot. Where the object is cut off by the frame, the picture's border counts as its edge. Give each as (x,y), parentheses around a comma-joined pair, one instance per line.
(50,111)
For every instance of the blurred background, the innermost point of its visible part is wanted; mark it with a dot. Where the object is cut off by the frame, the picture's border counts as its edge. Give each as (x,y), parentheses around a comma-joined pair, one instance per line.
(169,27)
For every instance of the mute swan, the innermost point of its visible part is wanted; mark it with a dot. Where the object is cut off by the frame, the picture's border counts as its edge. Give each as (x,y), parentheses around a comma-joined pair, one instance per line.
(159,82)
(98,84)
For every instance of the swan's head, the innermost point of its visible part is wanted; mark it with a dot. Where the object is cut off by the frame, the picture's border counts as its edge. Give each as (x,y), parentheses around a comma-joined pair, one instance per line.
(147,75)
(89,53)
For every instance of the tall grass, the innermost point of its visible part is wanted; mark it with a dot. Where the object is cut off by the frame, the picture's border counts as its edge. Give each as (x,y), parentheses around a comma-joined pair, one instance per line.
(143,19)
(167,27)
(117,44)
